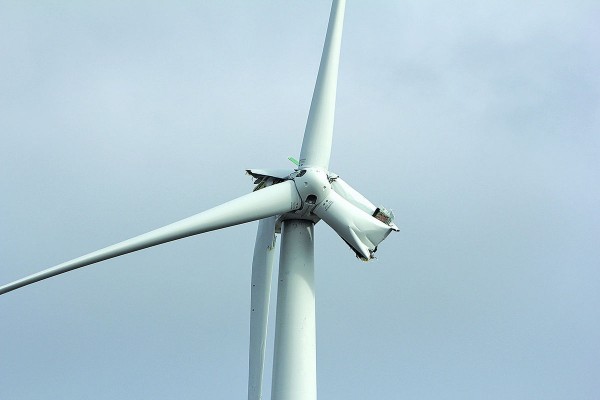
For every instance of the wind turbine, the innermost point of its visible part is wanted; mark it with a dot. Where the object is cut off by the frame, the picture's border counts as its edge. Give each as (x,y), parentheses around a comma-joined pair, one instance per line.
(289,202)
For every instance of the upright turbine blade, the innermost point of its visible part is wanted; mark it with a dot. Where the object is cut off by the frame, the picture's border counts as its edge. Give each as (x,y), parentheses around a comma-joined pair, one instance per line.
(272,200)
(295,350)
(262,271)
(316,145)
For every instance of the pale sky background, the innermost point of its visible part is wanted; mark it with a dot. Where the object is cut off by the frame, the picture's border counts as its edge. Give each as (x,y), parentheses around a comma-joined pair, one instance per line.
(478,123)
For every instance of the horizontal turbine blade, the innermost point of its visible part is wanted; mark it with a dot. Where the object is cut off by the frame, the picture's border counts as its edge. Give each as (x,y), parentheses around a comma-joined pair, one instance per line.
(272,200)
(318,135)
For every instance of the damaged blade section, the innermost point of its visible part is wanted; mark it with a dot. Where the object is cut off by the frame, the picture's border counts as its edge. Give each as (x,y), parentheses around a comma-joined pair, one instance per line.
(266,177)
(282,174)
(361,230)
(358,200)
(352,195)
(384,215)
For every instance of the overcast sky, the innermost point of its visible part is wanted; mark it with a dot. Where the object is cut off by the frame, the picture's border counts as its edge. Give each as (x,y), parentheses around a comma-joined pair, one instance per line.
(478,124)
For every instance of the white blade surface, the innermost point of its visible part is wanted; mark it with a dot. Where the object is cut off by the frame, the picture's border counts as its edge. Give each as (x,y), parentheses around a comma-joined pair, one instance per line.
(352,195)
(273,200)
(316,145)
(262,271)
(295,347)
(360,230)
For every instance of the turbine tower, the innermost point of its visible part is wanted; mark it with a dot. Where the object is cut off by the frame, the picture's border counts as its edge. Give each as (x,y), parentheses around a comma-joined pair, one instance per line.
(290,203)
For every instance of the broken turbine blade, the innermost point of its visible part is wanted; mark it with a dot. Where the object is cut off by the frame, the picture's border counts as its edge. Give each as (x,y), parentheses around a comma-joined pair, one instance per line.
(360,230)
(355,198)
(352,195)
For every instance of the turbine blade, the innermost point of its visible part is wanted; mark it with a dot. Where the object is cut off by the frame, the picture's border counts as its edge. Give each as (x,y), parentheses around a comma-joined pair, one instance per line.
(316,145)
(272,200)
(352,195)
(362,231)
(262,271)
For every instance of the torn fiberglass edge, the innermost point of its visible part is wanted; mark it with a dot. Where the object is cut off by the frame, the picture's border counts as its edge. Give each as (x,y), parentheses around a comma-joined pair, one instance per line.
(280,173)
(384,215)
(266,177)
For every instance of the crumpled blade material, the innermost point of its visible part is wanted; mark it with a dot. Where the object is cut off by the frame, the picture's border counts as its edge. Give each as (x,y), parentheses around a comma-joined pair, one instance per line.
(360,230)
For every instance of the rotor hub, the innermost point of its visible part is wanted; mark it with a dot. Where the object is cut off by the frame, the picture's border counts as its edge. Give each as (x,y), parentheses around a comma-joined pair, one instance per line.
(313,185)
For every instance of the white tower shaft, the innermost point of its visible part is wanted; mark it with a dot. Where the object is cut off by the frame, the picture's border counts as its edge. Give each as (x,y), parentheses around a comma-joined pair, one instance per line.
(295,359)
